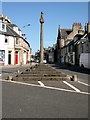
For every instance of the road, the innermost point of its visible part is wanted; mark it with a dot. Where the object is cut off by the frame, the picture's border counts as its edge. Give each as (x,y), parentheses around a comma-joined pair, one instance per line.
(27,101)
(45,99)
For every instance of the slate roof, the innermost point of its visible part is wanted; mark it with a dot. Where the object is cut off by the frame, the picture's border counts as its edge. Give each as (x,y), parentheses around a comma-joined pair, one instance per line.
(12,25)
(71,43)
(11,32)
(65,33)
(79,36)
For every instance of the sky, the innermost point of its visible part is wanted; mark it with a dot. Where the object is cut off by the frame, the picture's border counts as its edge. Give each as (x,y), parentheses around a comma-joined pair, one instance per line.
(55,14)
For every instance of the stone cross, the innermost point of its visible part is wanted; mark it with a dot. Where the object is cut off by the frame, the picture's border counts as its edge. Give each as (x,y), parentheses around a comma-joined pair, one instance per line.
(41,38)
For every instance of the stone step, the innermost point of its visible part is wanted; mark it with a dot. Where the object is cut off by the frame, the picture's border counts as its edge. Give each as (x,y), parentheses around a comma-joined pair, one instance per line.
(40,69)
(40,72)
(43,70)
(40,78)
(41,75)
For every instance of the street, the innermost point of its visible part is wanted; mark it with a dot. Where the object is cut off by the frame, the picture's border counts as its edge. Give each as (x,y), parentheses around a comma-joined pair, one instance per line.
(45,99)
(45,61)
(26,101)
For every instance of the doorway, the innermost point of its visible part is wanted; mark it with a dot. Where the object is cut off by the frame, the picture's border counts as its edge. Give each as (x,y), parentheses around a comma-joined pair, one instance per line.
(9,57)
(16,57)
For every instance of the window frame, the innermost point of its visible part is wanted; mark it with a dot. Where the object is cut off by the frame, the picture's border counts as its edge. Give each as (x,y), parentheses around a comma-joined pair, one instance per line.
(3,26)
(17,41)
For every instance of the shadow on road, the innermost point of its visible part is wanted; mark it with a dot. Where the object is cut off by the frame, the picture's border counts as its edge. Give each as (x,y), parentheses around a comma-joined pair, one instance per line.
(72,68)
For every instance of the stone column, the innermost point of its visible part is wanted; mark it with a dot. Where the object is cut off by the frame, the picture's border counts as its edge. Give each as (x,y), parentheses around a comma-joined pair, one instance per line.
(41,38)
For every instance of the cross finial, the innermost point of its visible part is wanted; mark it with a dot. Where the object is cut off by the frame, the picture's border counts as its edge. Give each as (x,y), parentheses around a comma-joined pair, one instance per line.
(42,18)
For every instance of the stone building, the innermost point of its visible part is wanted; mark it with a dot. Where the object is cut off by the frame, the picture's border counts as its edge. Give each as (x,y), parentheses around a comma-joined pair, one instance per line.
(70,53)
(65,36)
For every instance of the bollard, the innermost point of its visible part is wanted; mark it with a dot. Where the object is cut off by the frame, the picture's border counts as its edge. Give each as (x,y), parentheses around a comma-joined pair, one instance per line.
(18,71)
(68,77)
(74,78)
(9,77)
(20,63)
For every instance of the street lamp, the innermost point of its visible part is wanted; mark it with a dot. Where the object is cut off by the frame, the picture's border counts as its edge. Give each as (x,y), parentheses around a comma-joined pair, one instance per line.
(26,25)
(25,39)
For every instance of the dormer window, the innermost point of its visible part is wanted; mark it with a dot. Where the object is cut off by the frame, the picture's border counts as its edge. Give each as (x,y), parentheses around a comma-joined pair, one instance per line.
(3,26)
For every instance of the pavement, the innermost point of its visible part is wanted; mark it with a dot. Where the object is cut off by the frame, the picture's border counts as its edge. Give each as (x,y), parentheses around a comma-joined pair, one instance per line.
(11,66)
(83,74)
(72,68)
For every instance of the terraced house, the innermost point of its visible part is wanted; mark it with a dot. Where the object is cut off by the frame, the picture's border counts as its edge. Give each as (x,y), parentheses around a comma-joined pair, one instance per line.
(14,49)
(71,43)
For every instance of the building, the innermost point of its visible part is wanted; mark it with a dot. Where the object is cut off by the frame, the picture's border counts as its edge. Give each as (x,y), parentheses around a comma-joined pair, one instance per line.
(65,36)
(14,49)
(70,53)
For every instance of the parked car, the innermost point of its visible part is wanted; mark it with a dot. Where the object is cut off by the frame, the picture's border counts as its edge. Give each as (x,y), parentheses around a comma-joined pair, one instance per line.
(85,60)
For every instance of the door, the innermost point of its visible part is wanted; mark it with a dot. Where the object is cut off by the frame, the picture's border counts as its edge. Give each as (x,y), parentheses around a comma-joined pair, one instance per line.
(16,57)
(9,57)
(76,55)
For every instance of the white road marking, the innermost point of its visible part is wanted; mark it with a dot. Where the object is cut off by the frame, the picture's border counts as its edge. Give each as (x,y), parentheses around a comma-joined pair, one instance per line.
(83,83)
(46,87)
(71,86)
(41,83)
(0,74)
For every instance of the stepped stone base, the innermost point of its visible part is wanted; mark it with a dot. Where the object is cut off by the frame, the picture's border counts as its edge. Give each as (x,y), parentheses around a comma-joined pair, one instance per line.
(41,72)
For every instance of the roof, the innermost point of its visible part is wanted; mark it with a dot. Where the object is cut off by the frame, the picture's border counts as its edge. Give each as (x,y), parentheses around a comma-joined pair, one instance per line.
(79,36)
(11,32)
(65,33)
(71,43)
(12,25)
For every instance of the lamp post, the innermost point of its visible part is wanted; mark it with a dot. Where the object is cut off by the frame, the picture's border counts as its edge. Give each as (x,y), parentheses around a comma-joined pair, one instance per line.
(25,39)
(26,25)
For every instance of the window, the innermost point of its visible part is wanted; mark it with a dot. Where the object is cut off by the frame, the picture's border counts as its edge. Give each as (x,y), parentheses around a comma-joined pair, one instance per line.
(16,40)
(3,26)
(82,48)
(2,55)
(6,40)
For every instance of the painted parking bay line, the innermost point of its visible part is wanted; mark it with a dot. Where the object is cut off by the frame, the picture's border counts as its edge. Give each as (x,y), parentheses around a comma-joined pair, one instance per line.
(71,86)
(45,87)
(83,83)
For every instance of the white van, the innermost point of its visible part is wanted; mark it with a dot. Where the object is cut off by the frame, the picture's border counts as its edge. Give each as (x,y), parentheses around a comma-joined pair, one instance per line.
(85,60)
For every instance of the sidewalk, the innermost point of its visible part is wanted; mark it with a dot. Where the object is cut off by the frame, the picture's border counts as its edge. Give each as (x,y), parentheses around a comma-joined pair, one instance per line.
(11,66)
(82,74)
(73,68)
